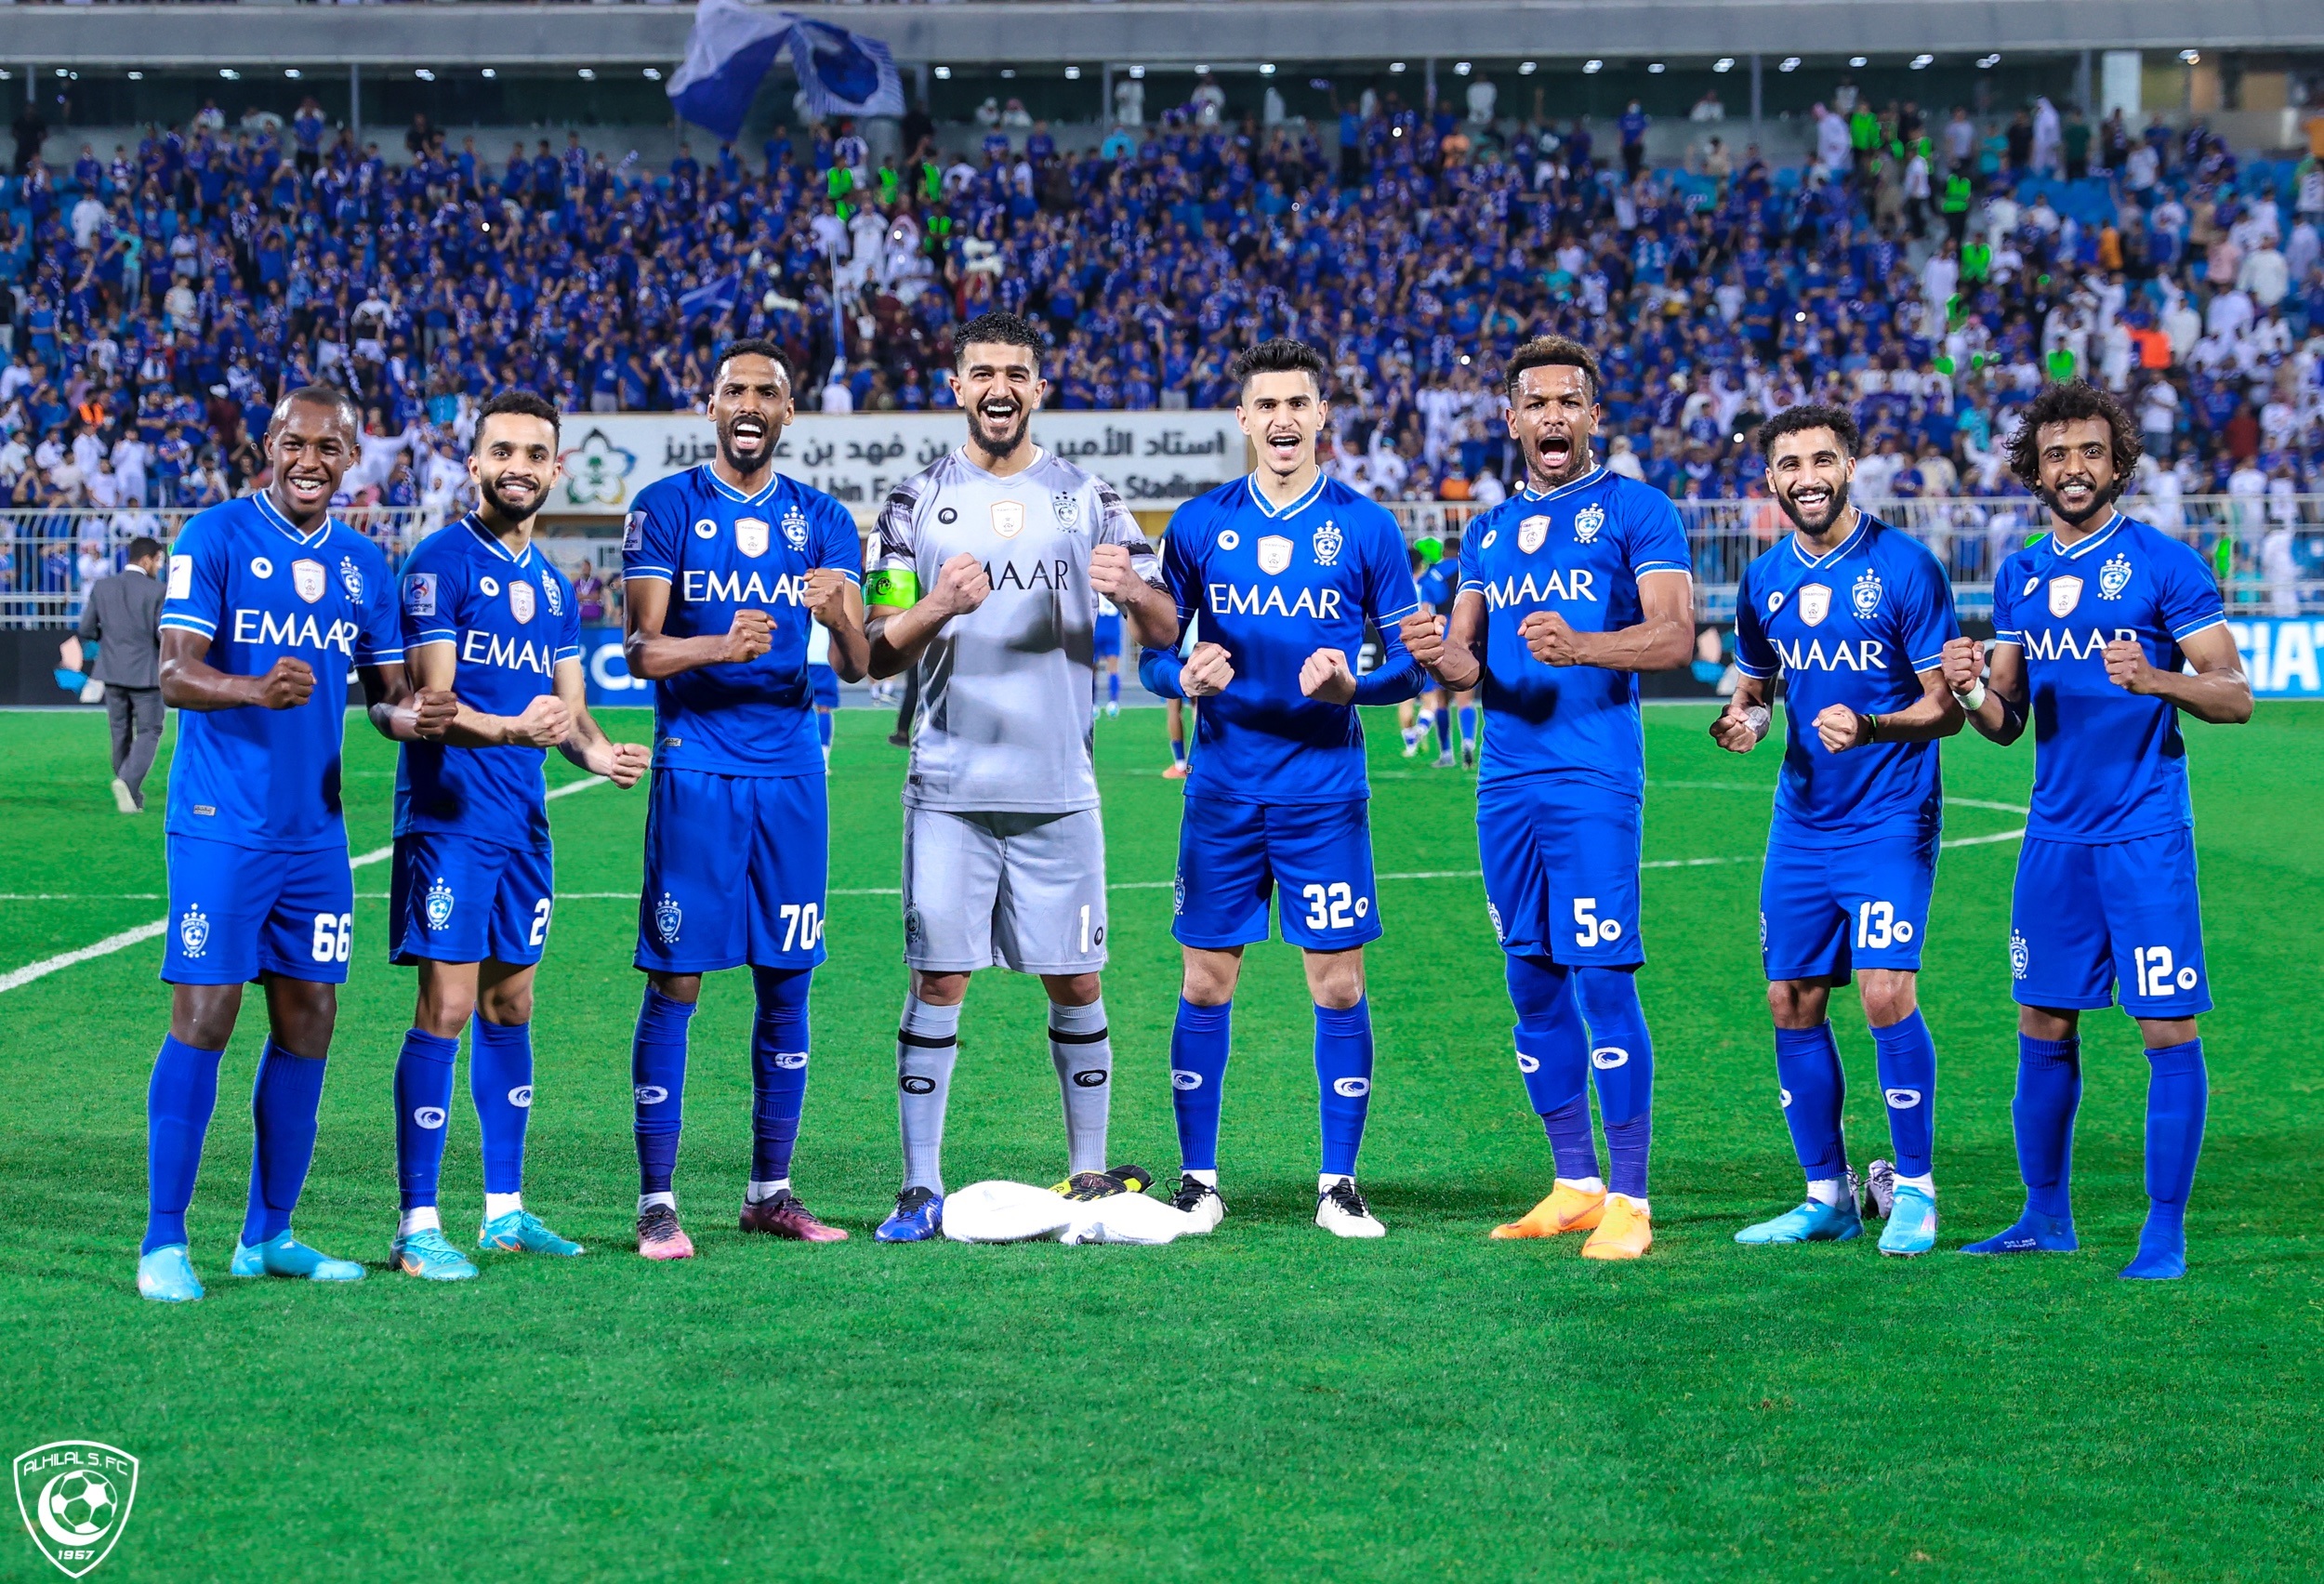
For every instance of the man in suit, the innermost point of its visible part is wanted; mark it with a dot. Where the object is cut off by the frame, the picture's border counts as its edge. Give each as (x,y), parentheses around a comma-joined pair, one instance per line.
(122,617)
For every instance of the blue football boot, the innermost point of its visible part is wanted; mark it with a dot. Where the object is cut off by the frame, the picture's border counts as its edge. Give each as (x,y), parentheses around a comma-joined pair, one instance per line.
(522,1232)
(2033,1234)
(429,1255)
(283,1255)
(1911,1222)
(918,1215)
(1812,1222)
(166,1276)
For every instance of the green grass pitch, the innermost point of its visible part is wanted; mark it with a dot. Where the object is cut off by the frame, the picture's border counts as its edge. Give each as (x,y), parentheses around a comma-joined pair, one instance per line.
(1269,1402)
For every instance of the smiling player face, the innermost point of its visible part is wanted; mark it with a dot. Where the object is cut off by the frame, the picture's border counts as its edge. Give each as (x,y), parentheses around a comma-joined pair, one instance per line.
(1553,420)
(1808,472)
(311,444)
(2076,459)
(997,386)
(750,405)
(514,465)
(1281,414)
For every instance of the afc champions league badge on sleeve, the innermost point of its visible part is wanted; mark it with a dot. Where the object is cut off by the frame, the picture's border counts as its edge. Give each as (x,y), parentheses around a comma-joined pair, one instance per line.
(1533,531)
(750,535)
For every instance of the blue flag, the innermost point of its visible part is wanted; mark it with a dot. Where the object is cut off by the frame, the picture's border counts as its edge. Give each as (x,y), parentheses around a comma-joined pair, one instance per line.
(844,72)
(713,297)
(735,43)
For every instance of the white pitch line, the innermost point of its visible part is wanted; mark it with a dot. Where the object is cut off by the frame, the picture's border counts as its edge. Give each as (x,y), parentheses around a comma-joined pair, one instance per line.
(128,938)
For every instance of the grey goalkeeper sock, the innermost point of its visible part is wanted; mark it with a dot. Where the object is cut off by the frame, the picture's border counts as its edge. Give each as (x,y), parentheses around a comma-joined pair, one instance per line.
(1083,1053)
(926,1044)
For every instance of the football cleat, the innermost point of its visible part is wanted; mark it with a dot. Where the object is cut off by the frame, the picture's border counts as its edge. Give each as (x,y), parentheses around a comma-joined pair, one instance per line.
(1113,711)
(1198,1199)
(1568,1208)
(1177,771)
(522,1232)
(783,1215)
(660,1237)
(124,800)
(2161,1245)
(166,1276)
(1411,751)
(1813,1222)
(1086,1185)
(1341,1210)
(1445,760)
(918,1215)
(1879,1191)
(429,1255)
(1468,753)
(1624,1232)
(2033,1234)
(283,1255)
(1911,1220)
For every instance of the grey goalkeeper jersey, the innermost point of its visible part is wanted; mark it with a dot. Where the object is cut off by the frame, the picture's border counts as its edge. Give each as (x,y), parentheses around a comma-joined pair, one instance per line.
(1007,692)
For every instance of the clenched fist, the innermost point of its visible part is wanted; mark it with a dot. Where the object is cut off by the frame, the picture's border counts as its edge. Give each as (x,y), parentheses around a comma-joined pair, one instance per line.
(1551,639)
(1740,727)
(1963,663)
(826,594)
(544,724)
(2127,667)
(1842,728)
(962,585)
(621,763)
(286,685)
(1207,670)
(1423,635)
(750,635)
(1326,678)
(433,710)
(1110,572)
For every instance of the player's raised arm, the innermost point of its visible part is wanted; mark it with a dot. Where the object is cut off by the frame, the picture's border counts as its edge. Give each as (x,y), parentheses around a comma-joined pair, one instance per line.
(835,594)
(2218,692)
(585,742)
(1124,568)
(1934,715)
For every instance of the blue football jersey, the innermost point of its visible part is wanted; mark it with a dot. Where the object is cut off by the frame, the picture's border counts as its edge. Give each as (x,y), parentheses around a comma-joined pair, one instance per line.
(1578,550)
(257,588)
(1274,586)
(1855,625)
(2109,765)
(1438,584)
(510,619)
(720,552)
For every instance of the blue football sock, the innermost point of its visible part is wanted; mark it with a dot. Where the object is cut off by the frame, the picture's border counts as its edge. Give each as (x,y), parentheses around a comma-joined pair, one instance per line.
(657,1078)
(283,1104)
(1807,1065)
(778,1069)
(1113,687)
(1468,722)
(2178,1092)
(500,1082)
(1178,751)
(1622,1061)
(1344,1079)
(1199,1043)
(423,1106)
(1442,719)
(1907,1070)
(1553,1058)
(2049,1090)
(823,727)
(178,1106)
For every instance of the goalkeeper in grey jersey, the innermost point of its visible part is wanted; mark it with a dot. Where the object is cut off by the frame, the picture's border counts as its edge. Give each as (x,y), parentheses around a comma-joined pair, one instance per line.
(985,581)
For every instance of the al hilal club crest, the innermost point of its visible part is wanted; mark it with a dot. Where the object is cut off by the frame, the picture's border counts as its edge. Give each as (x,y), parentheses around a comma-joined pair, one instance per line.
(1008,518)
(794,529)
(521,598)
(548,592)
(1531,531)
(1865,596)
(2065,594)
(1067,507)
(75,1497)
(193,930)
(1586,522)
(308,578)
(2114,577)
(439,894)
(351,577)
(750,535)
(1327,542)
(1274,553)
(1814,603)
(667,918)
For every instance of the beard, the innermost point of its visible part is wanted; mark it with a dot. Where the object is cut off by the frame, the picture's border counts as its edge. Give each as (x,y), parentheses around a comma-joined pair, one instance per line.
(2100,500)
(1837,505)
(506,510)
(998,441)
(746,462)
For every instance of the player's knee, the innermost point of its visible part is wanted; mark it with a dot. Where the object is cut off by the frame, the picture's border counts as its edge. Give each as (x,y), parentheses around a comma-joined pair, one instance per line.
(507,1005)
(444,1007)
(203,1015)
(2048,1022)
(1536,986)
(1609,999)
(685,988)
(1888,998)
(303,1016)
(1071,989)
(939,989)
(1336,979)
(1210,977)
(1796,1003)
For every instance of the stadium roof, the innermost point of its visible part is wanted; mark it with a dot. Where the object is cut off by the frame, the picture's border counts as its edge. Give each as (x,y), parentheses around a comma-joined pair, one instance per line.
(1166,31)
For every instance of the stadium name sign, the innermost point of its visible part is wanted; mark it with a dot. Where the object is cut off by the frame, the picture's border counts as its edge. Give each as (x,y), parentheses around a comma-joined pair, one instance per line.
(1154,459)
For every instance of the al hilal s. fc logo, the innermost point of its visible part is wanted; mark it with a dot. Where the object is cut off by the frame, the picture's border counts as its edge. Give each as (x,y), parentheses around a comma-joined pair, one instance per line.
(794,529)
(1066,508)
(2114,577)
(1327,543)
(2018,955)
(439,894)
(1865,595)
(1586,522)
(1531,531)
(548,592)
(351,577)
(76,1496)
(667,918)
(193,930)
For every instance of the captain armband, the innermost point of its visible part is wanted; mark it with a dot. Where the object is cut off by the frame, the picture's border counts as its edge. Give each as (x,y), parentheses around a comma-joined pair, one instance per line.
(893,588)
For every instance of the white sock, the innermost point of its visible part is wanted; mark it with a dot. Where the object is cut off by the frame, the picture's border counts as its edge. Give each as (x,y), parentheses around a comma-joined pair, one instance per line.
(647,1201)
(1926,1183)
(1211,1177)
(1324,1180)
(498,1205)
(1827,1190)
(1581,1185)
(421,1219)
(759,1192)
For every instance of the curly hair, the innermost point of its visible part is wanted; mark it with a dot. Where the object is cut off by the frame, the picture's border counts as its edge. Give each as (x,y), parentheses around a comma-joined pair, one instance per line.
(1796,420)
(2065,403)
(1552,351)
(998,329)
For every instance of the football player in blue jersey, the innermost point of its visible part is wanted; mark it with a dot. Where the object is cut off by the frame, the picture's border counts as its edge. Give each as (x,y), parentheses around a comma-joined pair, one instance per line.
(1283,569)
(270,602)
(1438,585)
(489,617)
(1854,616)
(727,566)
(1567,590)
(2104,630)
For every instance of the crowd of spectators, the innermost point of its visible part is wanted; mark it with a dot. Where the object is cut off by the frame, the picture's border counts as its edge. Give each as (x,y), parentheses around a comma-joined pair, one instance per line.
(1930,274)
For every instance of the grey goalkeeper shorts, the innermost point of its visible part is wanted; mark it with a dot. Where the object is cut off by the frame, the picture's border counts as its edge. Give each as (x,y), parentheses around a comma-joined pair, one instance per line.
(1025,891)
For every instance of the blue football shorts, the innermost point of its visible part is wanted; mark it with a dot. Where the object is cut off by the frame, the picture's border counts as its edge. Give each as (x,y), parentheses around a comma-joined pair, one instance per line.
(735,869)
(458,899)
(1561,871)
(1233,855)
(236,912)
(2087,919)
(1826,911)
(1106,639)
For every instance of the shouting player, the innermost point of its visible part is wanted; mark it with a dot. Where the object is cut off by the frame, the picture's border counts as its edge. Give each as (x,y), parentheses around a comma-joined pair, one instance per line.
(1283,569)
(728,566)
(489,617)
(1567,590)
(2095,628)
(270,600)
(989,568)
(1855,616)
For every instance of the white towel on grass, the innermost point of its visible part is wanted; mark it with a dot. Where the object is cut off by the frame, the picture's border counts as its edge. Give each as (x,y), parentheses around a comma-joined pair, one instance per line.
(1018,1212)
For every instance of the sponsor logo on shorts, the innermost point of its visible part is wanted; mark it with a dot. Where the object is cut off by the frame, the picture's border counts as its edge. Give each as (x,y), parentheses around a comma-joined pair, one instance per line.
(1351,1089)
(650,1094)
(1182,1078)
(193,930)
(1091,1078)
(1902,1099)
(522,1096)
(1605,1057)
(913,1083)
(429,1117)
